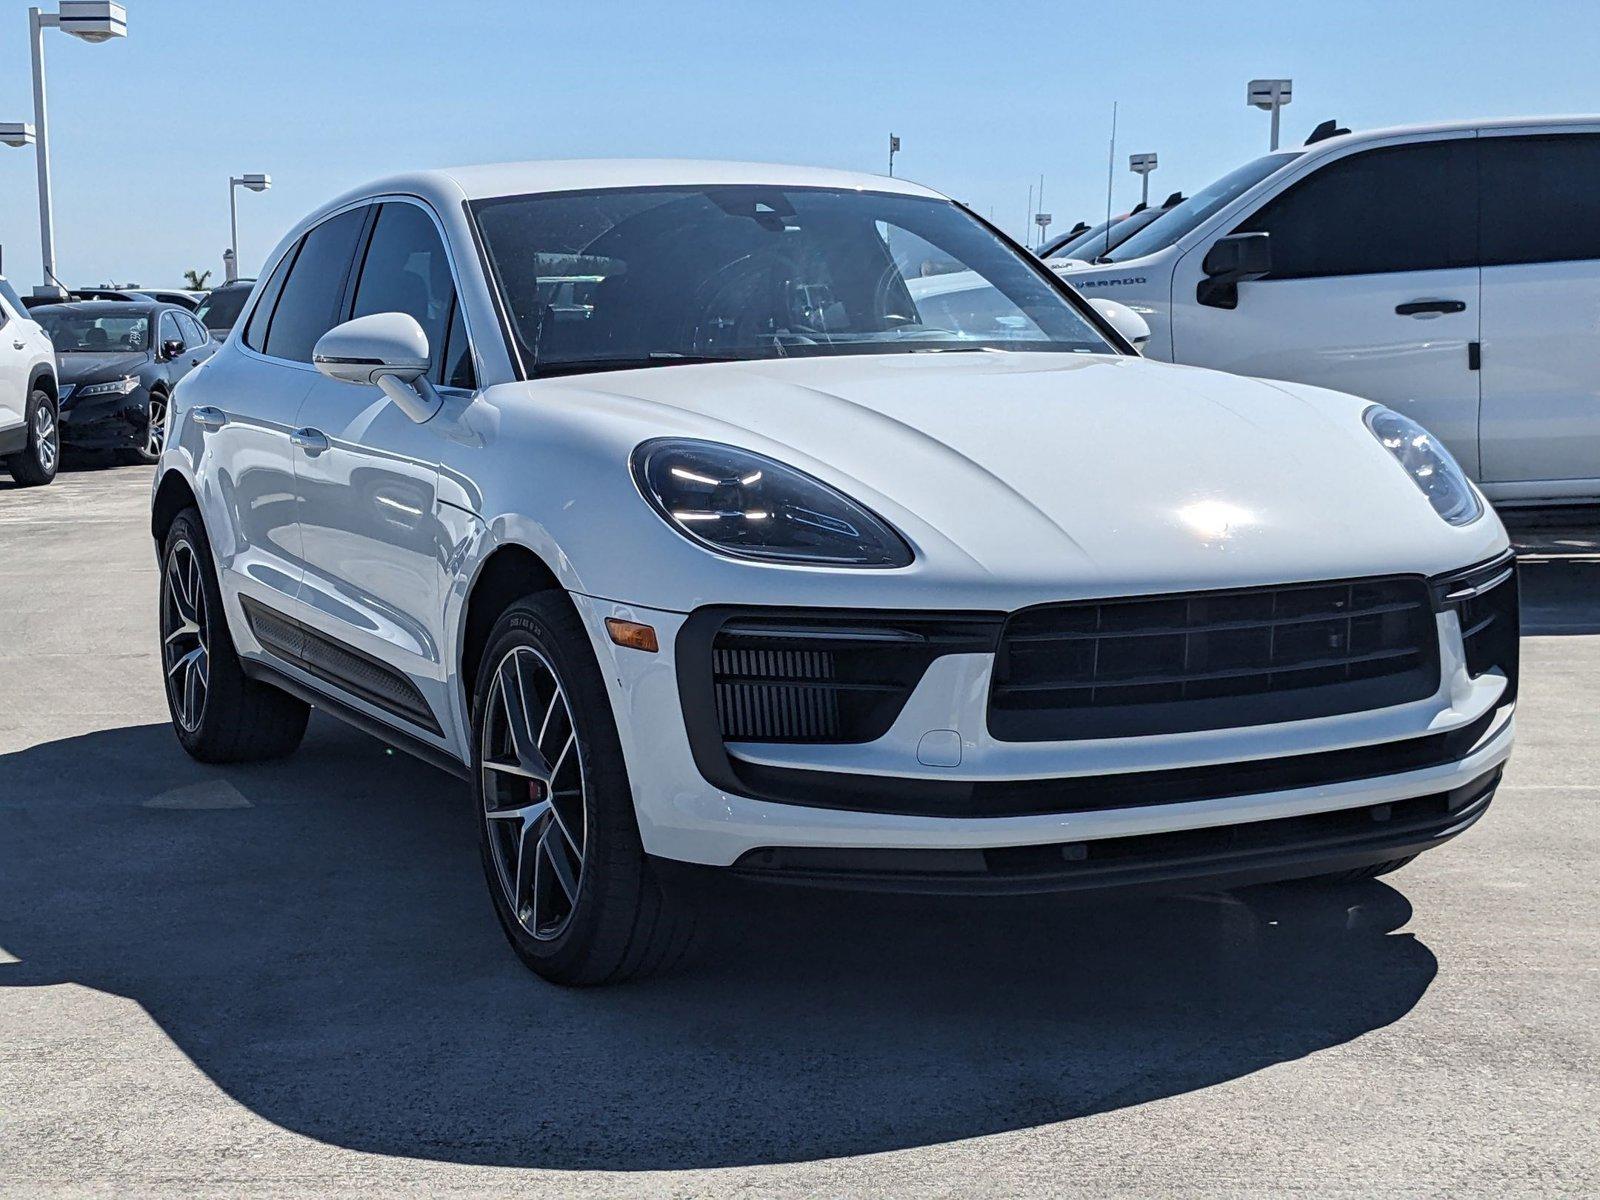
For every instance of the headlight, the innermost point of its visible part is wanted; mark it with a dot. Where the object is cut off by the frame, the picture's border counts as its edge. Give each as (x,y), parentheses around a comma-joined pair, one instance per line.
(114,387)
(750,506)
(1428,464)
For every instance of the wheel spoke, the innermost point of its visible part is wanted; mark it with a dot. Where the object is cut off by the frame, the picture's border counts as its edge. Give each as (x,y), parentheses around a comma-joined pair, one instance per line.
(556,854)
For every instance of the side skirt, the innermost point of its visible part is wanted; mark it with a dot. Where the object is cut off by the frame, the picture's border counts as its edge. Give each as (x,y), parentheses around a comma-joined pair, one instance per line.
(384,732)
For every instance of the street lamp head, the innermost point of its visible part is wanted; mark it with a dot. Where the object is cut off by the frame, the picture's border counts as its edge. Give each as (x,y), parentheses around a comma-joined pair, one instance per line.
(16,133)
(93,20)
(256,183)
(1141,164)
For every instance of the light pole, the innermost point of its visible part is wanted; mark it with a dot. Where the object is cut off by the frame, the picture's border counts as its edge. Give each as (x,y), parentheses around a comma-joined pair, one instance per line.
(256,183)
(1042,220)
(92,21)
(894,148)
(1141,165)
(1270,95)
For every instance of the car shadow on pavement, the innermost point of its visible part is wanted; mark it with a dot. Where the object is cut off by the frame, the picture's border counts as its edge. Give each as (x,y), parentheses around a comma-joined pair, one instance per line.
(1560,596)
(316,936)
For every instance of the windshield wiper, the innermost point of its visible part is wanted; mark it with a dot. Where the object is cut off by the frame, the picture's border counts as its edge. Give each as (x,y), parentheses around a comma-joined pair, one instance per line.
(580,366)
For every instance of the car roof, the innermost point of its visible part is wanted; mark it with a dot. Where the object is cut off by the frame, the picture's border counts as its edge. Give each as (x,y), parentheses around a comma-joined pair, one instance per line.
(1356,137)
(112,307)
(451,185)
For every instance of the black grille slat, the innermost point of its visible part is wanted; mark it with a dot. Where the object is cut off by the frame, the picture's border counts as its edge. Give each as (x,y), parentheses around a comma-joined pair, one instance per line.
(1207,660)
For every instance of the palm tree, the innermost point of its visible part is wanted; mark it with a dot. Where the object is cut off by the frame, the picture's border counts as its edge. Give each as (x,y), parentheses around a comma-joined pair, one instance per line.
(195,280)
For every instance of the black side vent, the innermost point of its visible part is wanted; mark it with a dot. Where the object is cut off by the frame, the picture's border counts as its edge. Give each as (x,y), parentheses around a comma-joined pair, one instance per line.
(1486,600)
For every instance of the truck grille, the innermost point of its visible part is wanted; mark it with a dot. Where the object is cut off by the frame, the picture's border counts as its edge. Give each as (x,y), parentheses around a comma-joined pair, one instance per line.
(1211,660)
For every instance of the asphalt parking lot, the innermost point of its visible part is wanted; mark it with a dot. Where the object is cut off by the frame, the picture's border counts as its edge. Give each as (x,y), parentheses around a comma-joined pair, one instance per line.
(286,979)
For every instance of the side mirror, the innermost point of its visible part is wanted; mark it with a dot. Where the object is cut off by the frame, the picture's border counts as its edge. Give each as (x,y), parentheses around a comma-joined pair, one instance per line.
(388,350)
(1124,320)
(171,348)
(1230,261)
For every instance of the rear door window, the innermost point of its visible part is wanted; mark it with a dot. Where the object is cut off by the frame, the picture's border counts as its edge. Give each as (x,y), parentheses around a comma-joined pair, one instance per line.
(1538,197)
(1396,208)
(308,305)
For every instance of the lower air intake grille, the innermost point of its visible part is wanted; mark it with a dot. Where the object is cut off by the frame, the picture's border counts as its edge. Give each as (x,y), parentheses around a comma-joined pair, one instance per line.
(1212,660)
(812,677)
(766,694)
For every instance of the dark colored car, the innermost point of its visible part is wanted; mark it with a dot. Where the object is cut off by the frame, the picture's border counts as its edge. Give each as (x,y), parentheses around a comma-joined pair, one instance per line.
(222,306)
(118,362)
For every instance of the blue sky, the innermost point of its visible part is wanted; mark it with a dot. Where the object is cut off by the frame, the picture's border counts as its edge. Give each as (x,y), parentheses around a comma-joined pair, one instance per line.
(985,98)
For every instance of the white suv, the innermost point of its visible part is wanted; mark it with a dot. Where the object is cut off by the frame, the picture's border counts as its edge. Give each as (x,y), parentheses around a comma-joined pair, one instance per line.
(1449,271)
(668,505)
(30,430)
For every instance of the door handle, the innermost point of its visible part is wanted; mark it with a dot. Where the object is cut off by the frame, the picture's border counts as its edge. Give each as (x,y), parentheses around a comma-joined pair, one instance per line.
(194,362)
(207,417)
(312,441)
(19,345)
(1429,308)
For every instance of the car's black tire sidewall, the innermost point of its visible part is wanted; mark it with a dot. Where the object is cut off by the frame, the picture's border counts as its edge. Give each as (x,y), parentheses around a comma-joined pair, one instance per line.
(609,891)
(243,720)
(24,465)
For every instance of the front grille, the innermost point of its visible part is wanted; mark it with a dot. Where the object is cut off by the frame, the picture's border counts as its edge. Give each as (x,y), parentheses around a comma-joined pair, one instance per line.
(824,678)
(1212,660)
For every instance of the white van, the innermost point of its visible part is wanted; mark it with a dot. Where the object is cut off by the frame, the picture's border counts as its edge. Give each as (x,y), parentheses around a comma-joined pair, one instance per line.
(1449,271)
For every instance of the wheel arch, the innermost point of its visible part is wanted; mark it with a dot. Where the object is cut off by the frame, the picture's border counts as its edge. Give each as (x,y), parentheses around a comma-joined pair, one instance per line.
(44,377)
(173,495)
(507,574)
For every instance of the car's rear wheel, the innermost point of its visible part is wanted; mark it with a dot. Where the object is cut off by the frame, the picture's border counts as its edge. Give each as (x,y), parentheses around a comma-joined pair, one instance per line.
(36,463)
(155,431)
(219,714)
(571,884)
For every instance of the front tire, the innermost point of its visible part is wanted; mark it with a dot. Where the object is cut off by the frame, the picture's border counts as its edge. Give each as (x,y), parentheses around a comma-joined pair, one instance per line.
(219,714)
(157,412)
(36,463)
(571,884)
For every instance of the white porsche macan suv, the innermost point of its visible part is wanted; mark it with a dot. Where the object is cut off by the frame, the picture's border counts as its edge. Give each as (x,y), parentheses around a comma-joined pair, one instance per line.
(665,503)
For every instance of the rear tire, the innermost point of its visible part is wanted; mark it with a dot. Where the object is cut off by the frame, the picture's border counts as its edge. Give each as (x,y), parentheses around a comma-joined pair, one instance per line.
(36,463)
(571,884)
(219,714)
(1358,874)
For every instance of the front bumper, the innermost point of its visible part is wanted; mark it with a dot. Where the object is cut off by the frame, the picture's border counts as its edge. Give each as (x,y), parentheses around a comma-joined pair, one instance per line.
(1450,744)
(106,422)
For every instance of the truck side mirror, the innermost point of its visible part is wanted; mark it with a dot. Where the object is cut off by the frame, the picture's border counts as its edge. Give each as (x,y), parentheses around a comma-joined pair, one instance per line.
(1230,261)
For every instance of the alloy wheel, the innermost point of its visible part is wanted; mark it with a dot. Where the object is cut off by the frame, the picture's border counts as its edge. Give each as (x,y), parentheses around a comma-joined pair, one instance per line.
(534,793)
(155,434)
(46,438)
(185,650)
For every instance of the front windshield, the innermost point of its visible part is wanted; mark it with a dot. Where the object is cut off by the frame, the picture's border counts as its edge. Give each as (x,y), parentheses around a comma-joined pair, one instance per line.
(1181,218)
(94,333)
(651,276)
(219,310)
(1074,248)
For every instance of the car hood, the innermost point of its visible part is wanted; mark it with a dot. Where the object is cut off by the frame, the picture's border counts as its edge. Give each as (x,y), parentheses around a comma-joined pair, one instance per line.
(93,368)
(1117,473)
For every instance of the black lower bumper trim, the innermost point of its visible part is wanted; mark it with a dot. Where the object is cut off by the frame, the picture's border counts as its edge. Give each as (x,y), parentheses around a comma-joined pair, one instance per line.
(1218,857)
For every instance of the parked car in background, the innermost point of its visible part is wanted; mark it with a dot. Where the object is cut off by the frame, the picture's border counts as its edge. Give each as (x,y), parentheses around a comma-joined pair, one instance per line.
(746,559)
(1451,271)
(119,361)
(222,306)
(172,296)
(1093,245)
(1046,249)
(30,431)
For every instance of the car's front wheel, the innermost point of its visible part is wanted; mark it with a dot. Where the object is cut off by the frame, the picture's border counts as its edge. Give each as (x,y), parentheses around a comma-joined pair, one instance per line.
(571,884)
(154,438)
(35,464)
(219,714)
